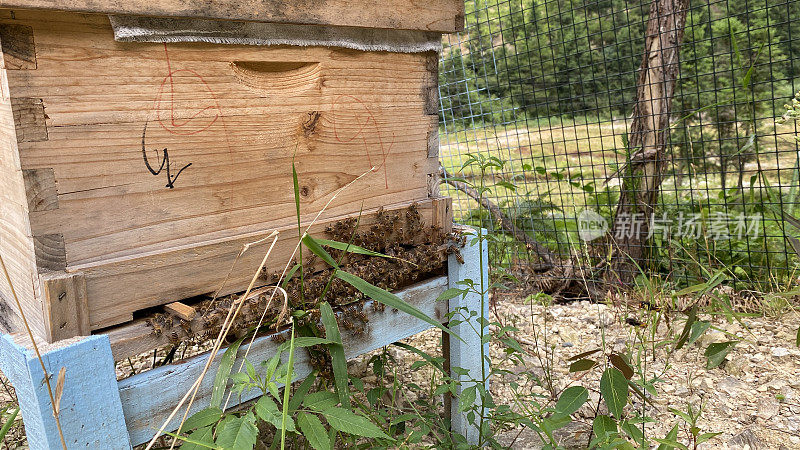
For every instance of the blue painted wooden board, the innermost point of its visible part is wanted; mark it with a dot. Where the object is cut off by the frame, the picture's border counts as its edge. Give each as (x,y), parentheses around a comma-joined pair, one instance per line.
(90,412)
(466,353)
(148,398)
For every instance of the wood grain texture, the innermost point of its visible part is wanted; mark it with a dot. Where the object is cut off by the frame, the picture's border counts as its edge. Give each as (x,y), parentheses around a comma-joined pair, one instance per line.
(19,49)
(41,190)
(148,398)
(50,252)
(29,119)
(66,306)
(180,310)
(149,166)
(443,213)
(469,310)
(16,244)
(365,114)
(184,272)
(433,15)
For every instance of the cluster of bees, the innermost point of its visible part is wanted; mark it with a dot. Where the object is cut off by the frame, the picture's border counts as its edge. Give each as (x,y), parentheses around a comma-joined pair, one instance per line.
(415,253)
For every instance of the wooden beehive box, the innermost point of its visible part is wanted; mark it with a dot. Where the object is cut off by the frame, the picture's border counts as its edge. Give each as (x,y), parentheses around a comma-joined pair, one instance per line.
(131,174)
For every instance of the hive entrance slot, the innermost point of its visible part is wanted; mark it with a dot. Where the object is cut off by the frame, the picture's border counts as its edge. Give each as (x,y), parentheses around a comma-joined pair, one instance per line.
(277,77)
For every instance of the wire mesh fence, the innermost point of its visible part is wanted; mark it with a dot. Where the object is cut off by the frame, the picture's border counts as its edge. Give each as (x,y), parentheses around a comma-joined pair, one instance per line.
(547,87)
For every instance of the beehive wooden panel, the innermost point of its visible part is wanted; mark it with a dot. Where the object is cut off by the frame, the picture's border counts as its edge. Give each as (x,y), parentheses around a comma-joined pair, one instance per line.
(433,15)
(139,170)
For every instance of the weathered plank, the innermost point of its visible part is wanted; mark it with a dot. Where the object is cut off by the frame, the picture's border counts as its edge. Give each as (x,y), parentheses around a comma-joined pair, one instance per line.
(469,310)
(29,119)
(40,188)
(16,244)
(433,15)
(195,270)
(148,398)
(360,112)
(146,167)
(65,305)
(50,252)
(19,49)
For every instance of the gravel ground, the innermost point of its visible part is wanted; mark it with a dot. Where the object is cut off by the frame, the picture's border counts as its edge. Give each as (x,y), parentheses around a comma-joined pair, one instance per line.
(751,399)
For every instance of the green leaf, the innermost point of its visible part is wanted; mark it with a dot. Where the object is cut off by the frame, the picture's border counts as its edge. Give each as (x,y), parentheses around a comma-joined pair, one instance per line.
(348,422)
(687,328)
(238,433)
(635,433)
(320,401)
(390,300)
(302,391)
(571,400)
(614,389)
(286,421)
(555,422)
(450,293)
(350,248)
(200,439)
(289,275)
(338,358)
(305,341)
(9,423)
(223,373)
(797,339)
(423,355)
(698,328)
(466,400)
(315,248)
(251,371)
(314,431)
(672,436)
(202,418)
(603,426)
(703,437)
(582,365)
(584,354)
(268,411)
(716,353)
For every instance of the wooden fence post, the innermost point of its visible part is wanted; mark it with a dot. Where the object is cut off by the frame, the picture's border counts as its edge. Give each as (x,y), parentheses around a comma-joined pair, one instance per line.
(466,354)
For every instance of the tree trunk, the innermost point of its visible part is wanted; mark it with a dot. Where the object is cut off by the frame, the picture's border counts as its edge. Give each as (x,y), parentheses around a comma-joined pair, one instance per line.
(647,140)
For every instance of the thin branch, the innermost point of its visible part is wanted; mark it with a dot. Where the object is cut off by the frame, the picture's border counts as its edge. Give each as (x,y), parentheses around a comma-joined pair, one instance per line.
(505,222)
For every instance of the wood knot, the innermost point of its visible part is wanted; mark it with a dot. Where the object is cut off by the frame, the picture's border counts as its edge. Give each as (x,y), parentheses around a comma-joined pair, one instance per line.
(310,122)
(305,191)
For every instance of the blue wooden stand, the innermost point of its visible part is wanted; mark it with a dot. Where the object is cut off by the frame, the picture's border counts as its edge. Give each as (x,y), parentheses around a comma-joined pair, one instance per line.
(90,412)
(97,412)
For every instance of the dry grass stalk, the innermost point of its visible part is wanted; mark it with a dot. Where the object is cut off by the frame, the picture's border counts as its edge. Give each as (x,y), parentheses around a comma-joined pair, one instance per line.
(223,332)
(53,402)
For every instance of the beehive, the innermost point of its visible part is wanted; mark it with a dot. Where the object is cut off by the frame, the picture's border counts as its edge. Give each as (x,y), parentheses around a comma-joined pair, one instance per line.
(132,174)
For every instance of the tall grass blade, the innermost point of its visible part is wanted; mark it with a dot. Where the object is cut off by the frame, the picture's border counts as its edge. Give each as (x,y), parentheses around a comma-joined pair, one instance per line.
(10,423)
(316,249)
(390,300)
(338,358)
(287,388)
